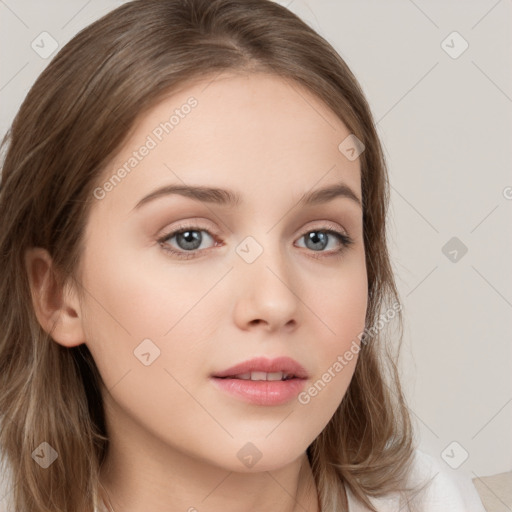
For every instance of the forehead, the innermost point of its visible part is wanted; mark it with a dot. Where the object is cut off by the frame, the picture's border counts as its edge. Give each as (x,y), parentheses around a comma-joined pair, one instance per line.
(256,133)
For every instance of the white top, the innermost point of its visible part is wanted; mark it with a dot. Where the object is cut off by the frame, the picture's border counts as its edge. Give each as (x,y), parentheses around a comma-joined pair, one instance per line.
(449,491)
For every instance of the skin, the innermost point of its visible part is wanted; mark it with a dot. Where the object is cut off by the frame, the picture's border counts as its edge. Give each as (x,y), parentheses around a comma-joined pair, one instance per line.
(174,436)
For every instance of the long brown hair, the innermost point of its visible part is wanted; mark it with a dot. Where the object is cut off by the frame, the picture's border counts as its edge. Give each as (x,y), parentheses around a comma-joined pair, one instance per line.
(74,119)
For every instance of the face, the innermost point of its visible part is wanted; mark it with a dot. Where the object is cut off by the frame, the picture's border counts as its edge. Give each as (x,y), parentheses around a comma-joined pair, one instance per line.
(267,276)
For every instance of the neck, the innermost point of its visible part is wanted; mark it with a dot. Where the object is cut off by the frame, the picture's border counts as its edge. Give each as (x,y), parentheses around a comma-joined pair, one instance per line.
(290,489)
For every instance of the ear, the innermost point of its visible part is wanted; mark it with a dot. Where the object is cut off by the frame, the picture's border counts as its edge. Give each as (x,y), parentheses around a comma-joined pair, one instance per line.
(57,307)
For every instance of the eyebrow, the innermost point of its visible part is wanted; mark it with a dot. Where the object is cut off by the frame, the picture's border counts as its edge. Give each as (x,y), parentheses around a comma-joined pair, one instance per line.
(225,197)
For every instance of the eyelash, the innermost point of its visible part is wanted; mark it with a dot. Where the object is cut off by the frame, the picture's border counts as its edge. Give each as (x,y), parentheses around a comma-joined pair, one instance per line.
(345,240)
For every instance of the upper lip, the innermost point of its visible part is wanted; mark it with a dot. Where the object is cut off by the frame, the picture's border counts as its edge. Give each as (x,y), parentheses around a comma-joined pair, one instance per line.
(262,364)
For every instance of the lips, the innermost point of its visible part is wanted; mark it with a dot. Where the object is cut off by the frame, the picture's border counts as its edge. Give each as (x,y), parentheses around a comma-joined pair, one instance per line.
(262,381)
(261,368)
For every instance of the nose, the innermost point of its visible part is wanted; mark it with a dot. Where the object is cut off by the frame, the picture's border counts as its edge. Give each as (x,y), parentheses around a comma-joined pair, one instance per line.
(266,295)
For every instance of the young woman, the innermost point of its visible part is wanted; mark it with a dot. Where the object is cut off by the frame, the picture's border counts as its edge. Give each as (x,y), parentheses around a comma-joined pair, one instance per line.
(195,287)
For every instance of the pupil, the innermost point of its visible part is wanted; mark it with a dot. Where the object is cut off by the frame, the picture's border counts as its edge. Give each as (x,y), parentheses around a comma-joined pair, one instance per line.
(318,238)
(190,240)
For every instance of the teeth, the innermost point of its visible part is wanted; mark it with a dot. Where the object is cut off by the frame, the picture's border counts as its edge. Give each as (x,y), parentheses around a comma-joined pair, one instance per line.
(258,376)
(262,376)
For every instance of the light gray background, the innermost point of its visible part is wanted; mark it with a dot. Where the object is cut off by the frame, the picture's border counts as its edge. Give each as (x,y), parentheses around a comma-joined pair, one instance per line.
(446,127)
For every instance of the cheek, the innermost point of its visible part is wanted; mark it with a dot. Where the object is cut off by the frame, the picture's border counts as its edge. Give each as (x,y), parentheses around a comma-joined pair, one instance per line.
(148,331)
(340,307)
(173,306)
(339,300)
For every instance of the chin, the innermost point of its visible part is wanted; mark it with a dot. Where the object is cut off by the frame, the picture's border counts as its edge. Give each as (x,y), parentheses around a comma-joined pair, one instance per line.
(254,457)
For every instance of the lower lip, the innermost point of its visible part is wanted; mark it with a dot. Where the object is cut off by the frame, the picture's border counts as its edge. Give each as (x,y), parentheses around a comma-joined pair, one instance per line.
(262,392)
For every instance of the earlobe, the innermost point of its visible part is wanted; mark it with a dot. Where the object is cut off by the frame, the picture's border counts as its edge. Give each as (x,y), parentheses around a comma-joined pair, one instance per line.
(56,306)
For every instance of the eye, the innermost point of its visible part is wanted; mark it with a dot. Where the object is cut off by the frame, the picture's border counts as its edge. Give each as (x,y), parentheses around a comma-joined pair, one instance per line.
(188,239)
(318,239)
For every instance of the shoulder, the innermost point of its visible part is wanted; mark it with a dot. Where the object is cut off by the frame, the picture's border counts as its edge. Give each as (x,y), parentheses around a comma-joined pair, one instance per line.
(445,489)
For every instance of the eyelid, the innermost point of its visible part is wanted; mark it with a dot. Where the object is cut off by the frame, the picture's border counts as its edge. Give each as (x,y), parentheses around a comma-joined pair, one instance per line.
(189,224)
(197,223)
(325,224)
